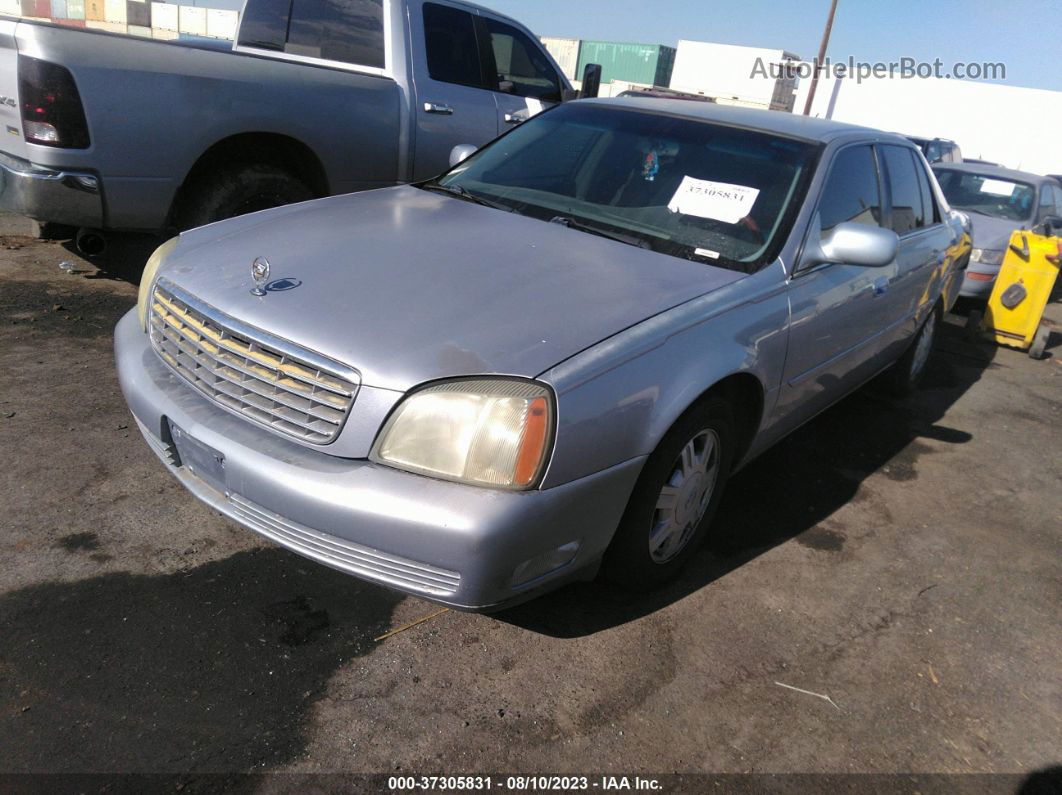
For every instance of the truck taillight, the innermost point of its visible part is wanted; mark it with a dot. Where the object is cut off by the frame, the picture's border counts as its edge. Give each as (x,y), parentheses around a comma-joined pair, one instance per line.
(52,114)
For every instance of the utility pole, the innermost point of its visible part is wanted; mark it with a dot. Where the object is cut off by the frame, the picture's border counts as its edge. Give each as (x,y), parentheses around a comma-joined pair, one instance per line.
(821,58)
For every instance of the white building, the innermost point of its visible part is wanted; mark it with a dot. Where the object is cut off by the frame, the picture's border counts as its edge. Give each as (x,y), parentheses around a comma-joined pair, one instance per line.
(1016,127)
(752,76)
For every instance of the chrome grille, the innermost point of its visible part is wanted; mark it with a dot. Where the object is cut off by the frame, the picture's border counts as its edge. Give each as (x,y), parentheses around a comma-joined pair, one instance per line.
(248,371)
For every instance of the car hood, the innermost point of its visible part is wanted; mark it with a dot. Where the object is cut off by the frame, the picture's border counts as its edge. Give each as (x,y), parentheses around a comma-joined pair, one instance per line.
(409,286)
(991,233)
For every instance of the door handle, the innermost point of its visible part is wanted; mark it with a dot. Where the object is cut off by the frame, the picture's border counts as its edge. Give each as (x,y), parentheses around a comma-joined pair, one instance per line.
(879,286)
(516,118)
(438,107)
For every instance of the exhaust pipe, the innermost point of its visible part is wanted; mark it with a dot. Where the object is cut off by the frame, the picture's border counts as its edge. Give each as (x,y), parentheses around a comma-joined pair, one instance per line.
(90,242)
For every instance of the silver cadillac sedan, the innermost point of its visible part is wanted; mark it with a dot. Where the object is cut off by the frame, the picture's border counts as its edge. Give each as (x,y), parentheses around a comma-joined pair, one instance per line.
(547,362)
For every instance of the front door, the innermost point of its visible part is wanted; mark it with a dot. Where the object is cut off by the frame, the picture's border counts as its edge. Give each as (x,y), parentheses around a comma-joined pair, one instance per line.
(523,77)
(839,313)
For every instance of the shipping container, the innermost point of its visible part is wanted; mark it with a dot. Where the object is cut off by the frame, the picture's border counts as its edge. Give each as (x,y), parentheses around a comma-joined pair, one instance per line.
(565,52)
(138,13)
(75,9)
(735,75)
(115,11)
(164,16)
(636,63)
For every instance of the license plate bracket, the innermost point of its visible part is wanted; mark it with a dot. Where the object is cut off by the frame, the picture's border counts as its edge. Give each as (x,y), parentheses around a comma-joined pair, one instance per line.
(201,460)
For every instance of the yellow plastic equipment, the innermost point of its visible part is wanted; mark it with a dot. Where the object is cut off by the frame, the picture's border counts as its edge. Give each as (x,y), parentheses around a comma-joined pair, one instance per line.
(1015,309)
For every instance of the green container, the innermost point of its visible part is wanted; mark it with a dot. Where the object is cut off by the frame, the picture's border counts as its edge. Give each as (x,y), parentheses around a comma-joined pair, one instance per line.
(636,63)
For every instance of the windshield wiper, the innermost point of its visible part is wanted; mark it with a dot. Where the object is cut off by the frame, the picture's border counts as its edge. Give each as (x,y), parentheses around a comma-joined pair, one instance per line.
(571,223)
(464,193)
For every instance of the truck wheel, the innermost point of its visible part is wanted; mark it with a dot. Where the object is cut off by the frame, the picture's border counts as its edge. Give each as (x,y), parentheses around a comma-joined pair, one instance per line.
(240,190)
(1039,343)
(674,499)
(903,377)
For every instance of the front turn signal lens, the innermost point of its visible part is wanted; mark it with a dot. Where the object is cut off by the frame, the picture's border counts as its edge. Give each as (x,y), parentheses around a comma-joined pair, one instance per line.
(147,279)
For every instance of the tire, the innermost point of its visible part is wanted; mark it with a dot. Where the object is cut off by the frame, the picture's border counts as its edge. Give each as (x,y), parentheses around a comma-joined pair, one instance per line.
(636,559)
(904,376)
(1039,343)
(238,190)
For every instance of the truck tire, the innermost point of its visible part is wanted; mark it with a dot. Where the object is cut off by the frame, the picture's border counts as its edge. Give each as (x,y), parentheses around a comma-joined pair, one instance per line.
(238,190)
(1039,343)
(679,491)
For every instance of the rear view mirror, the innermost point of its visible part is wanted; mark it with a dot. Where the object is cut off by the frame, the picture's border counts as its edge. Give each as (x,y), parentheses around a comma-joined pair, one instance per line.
(591,80)
(460,153)
(853,244)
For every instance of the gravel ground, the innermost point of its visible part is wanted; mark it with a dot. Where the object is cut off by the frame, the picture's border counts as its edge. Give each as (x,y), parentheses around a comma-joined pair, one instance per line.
(901,559)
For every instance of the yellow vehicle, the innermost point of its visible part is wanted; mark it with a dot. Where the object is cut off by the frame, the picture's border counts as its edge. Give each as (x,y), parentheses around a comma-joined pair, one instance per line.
(1015,309)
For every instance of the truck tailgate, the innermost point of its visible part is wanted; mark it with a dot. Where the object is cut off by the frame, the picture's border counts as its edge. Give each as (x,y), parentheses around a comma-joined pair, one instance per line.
(11,140)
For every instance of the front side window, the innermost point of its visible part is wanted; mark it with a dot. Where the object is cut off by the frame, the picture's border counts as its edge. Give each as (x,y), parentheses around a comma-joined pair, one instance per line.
(985,194)
(348,31)
(451,47)
(851,193)
(521,67)
(1047,202)
(907,212)
(683,187)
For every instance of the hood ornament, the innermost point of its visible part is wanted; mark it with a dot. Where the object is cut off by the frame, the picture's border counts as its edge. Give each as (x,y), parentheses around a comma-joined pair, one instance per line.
(260,274)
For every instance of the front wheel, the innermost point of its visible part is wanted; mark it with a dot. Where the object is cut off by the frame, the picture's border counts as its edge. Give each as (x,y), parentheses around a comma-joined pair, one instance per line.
(675,498)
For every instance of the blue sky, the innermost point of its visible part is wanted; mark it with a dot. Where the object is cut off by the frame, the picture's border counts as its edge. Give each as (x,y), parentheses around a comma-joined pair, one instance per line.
(1026,35)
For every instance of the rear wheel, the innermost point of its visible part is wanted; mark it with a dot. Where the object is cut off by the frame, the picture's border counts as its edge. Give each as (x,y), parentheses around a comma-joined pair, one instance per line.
(238,190)
(675,498)
(903,377)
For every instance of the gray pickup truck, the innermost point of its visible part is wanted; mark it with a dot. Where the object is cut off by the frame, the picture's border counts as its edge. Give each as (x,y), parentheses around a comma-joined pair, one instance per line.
(112,132)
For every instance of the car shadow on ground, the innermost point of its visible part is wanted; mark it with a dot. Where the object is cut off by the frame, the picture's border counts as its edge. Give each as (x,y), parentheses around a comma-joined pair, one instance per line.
(791,489)
(212,669)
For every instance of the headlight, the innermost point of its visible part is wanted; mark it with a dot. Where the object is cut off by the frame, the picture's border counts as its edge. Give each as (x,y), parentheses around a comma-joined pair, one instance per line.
(490,432)
(987,256)
(148,278)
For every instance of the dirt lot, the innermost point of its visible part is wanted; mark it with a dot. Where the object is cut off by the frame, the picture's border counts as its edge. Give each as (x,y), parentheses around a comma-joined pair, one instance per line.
(902,559)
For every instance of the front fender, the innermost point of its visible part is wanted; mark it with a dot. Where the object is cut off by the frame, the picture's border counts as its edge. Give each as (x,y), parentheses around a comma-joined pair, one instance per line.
(617,399)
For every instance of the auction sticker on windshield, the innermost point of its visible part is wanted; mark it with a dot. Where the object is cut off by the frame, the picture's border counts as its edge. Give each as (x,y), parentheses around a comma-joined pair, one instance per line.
(998,187)
(719,201)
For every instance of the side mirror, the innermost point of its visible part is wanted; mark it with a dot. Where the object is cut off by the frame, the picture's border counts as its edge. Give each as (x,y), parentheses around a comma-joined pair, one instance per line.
(460,153)
(591,80)
(853,244)
(1052,225)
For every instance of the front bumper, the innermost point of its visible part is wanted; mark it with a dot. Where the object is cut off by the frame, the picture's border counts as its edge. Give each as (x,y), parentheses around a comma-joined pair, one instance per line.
(48,195)
(452,543)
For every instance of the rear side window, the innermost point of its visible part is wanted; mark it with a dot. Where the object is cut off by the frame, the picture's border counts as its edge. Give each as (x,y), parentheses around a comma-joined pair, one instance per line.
(348,31)
(851,193)
(451,47)
(521,67)
(908,214)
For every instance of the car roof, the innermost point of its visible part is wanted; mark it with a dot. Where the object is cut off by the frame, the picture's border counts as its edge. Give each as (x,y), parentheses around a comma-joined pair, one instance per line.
(772,121)
(994,171)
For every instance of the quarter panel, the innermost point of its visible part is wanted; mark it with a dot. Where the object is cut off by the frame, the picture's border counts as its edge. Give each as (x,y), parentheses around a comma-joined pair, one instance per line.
(618,399)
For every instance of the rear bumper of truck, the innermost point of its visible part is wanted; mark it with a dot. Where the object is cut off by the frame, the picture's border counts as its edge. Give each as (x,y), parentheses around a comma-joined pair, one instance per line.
(50,195)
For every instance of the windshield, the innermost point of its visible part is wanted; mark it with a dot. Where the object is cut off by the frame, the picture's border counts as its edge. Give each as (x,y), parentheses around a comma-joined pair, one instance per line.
(678,186)
(988,195)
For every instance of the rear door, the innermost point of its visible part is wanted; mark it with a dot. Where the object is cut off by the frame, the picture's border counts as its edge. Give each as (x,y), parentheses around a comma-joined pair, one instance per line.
(523,78)
(10,115)
(453,105)
(914,217)
(839,313)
